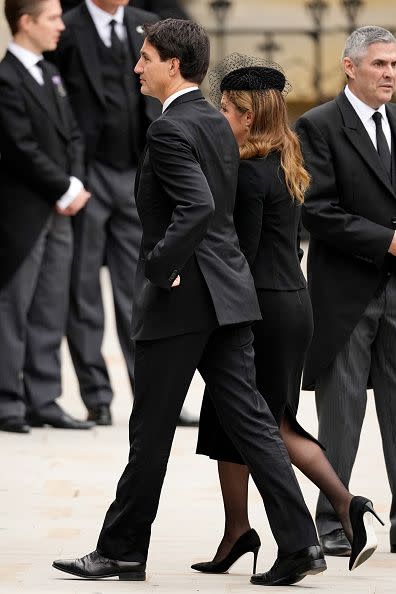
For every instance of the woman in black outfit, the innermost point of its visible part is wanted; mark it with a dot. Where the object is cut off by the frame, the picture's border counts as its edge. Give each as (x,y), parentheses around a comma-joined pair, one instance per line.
(271,186)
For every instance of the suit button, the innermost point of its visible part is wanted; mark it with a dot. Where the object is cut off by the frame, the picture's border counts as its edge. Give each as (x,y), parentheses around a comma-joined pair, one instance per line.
(393,221)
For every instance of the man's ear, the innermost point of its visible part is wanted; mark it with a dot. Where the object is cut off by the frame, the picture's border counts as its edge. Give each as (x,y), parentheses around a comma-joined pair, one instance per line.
(349,67)
(174,66)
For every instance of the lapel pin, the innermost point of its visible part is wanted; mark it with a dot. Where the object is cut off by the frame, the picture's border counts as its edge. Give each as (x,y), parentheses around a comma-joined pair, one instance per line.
(140,29)
(57,81)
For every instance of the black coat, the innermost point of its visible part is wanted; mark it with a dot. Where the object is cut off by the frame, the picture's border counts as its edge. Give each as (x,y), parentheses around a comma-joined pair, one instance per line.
(78,61)
(267,223)
(40,147)
(185,193)
(348,211)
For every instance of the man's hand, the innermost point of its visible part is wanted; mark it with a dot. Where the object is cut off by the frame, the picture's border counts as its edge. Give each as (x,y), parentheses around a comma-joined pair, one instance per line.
(392,247)
(176,282)
(78,203)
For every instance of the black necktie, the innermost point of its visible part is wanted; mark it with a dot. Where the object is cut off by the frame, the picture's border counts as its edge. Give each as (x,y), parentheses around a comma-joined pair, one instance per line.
(116,44)
(46,75)
(382,145)
(48,86)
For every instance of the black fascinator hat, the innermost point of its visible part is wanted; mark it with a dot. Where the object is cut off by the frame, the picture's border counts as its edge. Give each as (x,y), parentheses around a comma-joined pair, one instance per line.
(238,72)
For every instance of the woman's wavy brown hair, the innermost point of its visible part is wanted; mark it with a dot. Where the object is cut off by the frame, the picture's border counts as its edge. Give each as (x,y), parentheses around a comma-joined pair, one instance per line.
(270,131)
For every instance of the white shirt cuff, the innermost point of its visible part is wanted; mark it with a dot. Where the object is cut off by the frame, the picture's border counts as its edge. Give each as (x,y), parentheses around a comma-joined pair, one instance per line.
(68,197)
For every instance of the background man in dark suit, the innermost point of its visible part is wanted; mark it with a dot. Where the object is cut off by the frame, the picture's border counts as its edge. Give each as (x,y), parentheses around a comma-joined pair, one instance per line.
(41,169)
(164,8)
(195,299)
(96,55)
(350,211)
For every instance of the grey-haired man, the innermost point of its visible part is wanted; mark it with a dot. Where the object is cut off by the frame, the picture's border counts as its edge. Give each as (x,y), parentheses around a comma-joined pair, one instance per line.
(350,211)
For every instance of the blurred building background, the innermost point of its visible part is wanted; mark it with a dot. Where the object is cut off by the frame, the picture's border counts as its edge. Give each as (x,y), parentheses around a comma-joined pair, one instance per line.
(305,36)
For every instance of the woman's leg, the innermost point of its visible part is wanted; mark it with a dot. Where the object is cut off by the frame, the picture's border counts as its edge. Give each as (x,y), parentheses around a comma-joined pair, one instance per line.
(308,457)
(234,480)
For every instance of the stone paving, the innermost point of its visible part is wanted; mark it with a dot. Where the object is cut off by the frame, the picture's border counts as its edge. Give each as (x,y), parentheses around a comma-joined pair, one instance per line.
(56,485)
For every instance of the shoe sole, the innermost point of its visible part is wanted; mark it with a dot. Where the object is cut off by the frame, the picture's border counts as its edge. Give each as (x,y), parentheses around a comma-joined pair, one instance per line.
(371,541)
(299,574)
(127,577)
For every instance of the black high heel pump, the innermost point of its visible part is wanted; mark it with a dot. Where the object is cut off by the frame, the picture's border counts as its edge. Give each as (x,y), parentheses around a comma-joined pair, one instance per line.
(364,540)
(249,542)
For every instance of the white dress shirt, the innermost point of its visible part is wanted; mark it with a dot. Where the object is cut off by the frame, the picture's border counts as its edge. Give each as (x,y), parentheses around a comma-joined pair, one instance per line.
(170,99)
(102,20)
(29,60)
(365,113)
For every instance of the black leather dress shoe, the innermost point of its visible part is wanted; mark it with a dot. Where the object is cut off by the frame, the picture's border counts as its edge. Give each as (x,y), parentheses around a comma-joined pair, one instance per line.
(336,544)
(14,425)
(94,566)
(62,421)
(187,420)
(100,415)
(292,568)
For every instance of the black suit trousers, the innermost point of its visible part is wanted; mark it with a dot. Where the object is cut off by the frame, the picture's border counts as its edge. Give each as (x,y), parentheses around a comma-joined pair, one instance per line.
(163,372)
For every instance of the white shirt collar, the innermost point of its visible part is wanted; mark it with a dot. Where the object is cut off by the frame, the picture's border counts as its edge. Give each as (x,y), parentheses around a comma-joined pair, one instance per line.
(101,18)
(28,58)
(170,99)
(364,111)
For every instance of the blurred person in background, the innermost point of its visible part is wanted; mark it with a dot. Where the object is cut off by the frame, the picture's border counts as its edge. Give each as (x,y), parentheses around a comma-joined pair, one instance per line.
(41,173)
(272,182)
(350,212)
(96,55)
(164,8)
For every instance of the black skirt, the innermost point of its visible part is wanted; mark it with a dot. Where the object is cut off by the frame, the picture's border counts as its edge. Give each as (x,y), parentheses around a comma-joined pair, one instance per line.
(281,340)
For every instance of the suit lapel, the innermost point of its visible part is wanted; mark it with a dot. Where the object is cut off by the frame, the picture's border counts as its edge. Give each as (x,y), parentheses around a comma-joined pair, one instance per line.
(358,137)
(135,37)
(86,39)
(39,94)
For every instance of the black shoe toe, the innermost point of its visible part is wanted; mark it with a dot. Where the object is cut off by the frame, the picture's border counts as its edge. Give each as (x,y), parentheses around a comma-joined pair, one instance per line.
(15,425)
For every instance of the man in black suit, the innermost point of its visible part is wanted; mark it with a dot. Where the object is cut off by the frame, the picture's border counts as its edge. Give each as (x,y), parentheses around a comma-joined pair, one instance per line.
(196,300)
(164,8)
(41,169)
(350,211)
(95,56)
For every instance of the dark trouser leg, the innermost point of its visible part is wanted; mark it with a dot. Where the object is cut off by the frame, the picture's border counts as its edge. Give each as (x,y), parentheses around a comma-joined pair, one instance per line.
(85,324)
(228,370)
(341,397)
(47,317)
(122,252)
(383,376)
(163,373)
(15,300)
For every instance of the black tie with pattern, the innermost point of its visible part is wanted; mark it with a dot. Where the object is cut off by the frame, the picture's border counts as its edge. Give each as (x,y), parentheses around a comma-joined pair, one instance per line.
(116,44)
(382,145)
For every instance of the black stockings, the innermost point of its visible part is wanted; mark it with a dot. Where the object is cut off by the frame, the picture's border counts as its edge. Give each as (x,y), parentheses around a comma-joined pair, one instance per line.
(308,457)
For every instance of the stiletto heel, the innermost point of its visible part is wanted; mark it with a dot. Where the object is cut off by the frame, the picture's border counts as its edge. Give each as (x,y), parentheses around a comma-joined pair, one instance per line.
(255,553)
(364,541)
(249,542)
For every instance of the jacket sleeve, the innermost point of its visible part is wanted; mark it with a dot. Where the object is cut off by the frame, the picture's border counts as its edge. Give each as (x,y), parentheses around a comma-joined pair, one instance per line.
(21,151)
(322,212)
(248,213)
(183,182)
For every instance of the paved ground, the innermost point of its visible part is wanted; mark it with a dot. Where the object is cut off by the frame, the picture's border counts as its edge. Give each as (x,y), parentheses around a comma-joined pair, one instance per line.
(56,485)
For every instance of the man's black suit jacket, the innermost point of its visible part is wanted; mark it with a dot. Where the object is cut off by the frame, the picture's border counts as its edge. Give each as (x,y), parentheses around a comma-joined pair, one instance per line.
(78,61)
(185,193)
(350,211)
(40,147)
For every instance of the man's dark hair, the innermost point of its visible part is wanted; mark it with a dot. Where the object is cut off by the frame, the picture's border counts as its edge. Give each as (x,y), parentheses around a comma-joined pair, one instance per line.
(14,9)
(185,40)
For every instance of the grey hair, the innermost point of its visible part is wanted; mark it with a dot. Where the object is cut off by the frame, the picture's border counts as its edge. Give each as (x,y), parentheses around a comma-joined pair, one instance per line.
(358,42)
